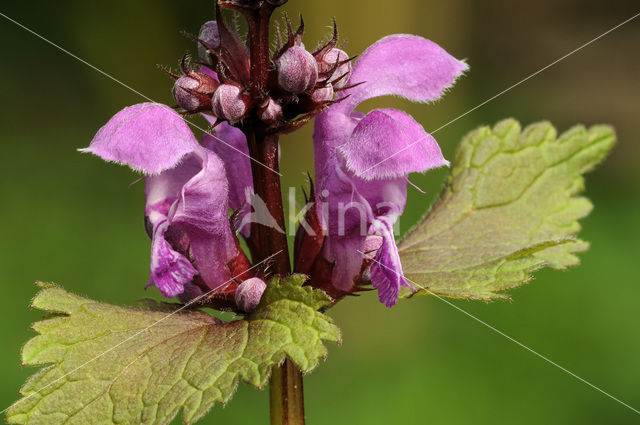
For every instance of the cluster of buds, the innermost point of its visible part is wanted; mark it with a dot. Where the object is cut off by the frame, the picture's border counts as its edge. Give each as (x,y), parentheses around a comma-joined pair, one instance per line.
(220,86)
(300,83)
(306,82)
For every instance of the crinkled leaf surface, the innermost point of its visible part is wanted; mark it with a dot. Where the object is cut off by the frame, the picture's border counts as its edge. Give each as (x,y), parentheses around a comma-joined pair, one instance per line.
(510,207)
(154,364)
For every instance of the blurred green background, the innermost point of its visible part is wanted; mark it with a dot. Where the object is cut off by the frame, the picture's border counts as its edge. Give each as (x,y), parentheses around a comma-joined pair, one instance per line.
(74,220)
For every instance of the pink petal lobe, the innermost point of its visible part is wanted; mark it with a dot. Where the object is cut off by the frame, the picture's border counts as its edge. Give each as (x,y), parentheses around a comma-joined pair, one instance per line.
(170,270)
(389,143)
(230,145)
(202,213)
(386,270)
(163,190)
(148,137)
(403,65)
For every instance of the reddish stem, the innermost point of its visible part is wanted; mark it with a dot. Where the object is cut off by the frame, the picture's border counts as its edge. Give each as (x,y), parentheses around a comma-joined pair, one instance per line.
(285,387)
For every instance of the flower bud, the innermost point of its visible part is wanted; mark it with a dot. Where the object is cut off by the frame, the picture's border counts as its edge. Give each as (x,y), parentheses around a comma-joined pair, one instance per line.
(228,103)
(342,73)
(249,293)
(297,70)
(270,111)
(322,94)
(208,34)
(193,91)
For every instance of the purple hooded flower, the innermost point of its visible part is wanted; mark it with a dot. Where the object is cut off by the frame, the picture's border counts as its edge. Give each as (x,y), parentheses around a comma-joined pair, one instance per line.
(363,160)
(234,152)
(187,194)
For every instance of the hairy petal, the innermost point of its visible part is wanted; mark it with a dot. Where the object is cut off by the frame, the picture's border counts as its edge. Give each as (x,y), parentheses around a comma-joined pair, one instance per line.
(346,216)
(189,203)
(345,253)
(402,65)
(389,143)
(386,197)
(163,190)
(230,145)
(202,213)
(349,205)
(170,270)
(331,129)
(148,137)
(386,270)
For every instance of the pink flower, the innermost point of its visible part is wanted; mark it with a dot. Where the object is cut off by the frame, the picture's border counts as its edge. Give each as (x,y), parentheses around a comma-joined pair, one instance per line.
(188,193)
(363,160)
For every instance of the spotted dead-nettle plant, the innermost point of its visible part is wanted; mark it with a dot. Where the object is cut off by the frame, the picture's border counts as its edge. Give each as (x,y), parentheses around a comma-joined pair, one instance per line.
(215,218)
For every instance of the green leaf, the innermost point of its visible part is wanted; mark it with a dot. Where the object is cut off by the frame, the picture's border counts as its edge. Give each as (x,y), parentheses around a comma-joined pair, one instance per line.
(510,207)
(149,364)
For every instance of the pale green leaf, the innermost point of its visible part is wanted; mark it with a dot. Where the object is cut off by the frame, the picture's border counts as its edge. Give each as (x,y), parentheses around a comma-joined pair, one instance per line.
(510,207)
(187,360)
